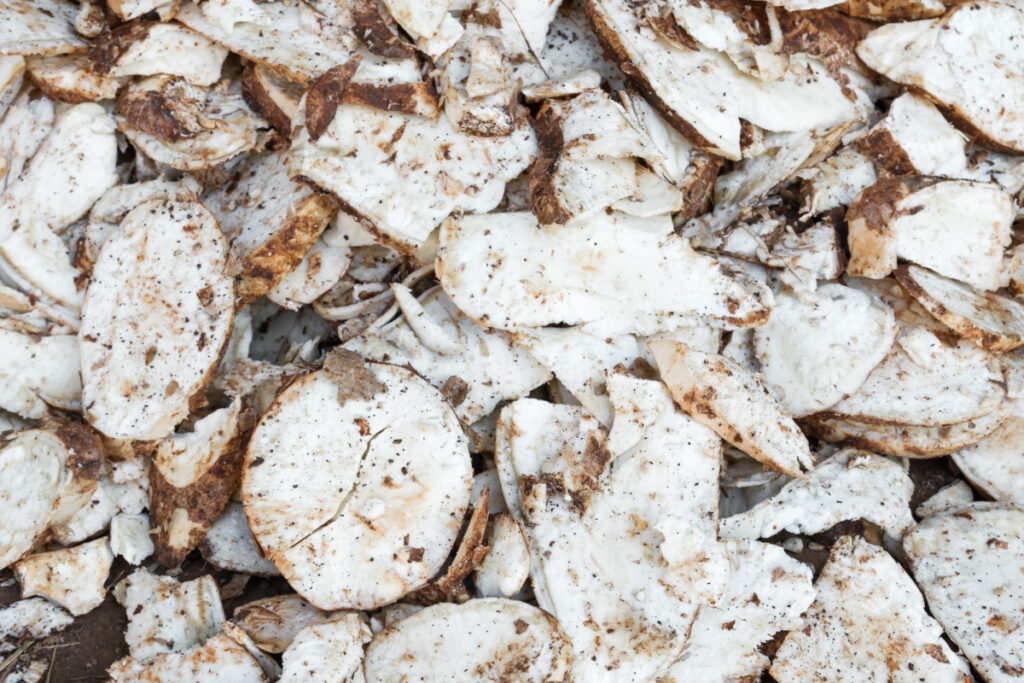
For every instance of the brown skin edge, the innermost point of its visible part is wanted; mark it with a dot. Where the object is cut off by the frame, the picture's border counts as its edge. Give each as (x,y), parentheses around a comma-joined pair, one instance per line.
(259,99)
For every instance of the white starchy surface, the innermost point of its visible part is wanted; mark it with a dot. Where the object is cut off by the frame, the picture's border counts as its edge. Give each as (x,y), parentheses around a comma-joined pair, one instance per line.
(38,27)
(724,639)
(72,168)
(129,537)
(836,181)
(320,269)
(334,648)
(606,274)
(229,545)
(967,562)
(183,458)
(273,622)
(130,9)
(70,78)
(218,659)
(30,618)
(947,498)
(706,90)
(38,372)
(27,123)
(996,463)
(276,37)
(173,49)
(489,639)
(658,539)
(38,260)
(73,578)
(96,514)
(867,622)
(490,362)
(386,478)
(167,616)
(506,566)
(12,75)
(932,145)
(968,60)
(912,441)
(850,485)
(993,321)
(925,381)
(406,188)
(170,325)
(734,403)
(814,354)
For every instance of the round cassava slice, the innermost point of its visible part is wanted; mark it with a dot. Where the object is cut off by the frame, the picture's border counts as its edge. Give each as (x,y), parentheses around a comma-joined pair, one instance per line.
(910,441)
(816,353)
(356,481)
(969,562)
(156,319)
(925,381)
(996,463)
(993,321)
(488,639)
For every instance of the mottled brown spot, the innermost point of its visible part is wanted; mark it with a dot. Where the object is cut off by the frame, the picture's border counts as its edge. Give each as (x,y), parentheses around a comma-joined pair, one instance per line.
(353,377)
(455,389)
(324,96)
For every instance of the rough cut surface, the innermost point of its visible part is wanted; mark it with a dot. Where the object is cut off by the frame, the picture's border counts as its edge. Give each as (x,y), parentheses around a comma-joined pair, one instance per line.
(725,397)
(273,623)
(229,545)
(969,61)
(335,647)
(996,463)
(218,659)
(386,474)
(816,353)
(30,618)
(848,486)
(967,562)
(38,27)
(491,639)
(867,623)
(170,325)
(606,273)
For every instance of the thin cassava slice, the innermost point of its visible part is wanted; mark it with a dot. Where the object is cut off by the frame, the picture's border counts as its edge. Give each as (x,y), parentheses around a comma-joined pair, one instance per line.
(384,469)
(156,319)
(490,639)
(995,465)
(733,402)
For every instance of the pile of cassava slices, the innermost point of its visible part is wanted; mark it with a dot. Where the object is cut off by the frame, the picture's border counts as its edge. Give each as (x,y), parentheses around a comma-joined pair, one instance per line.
(517,340)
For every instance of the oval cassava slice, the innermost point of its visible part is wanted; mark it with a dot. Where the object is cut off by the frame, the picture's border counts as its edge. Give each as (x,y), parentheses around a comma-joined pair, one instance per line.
(995,465)
(270,220)
(909,441)
(993,321)
(721,395)
(814,354)
(356,481)
(488,639)
(867,623)
(969,562)
(925,381)
(156,319)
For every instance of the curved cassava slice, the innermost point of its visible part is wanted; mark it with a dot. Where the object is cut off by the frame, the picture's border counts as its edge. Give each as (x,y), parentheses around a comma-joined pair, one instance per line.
(969,562)
(273,622)
(909,441)
(382,472)
(218,659)
(816,353)
(607,273)
(730,400)
(993,321)
(270,221)
(156,319)
(995,465)
(335,647)
(969,61)
(853,634)
(491,639)
(925,381)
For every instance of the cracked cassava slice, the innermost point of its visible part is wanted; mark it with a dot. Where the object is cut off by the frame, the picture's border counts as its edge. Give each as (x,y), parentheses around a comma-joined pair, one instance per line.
(968,562)
(490,639)
(926,381)
(995,322)
(156,319)
(910,441)
(733,402)
(270,220)
(816,353)
(867,622)
(970,61)
(218,659)
(607,273)
(356,481)
(850,485)
(995,465)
